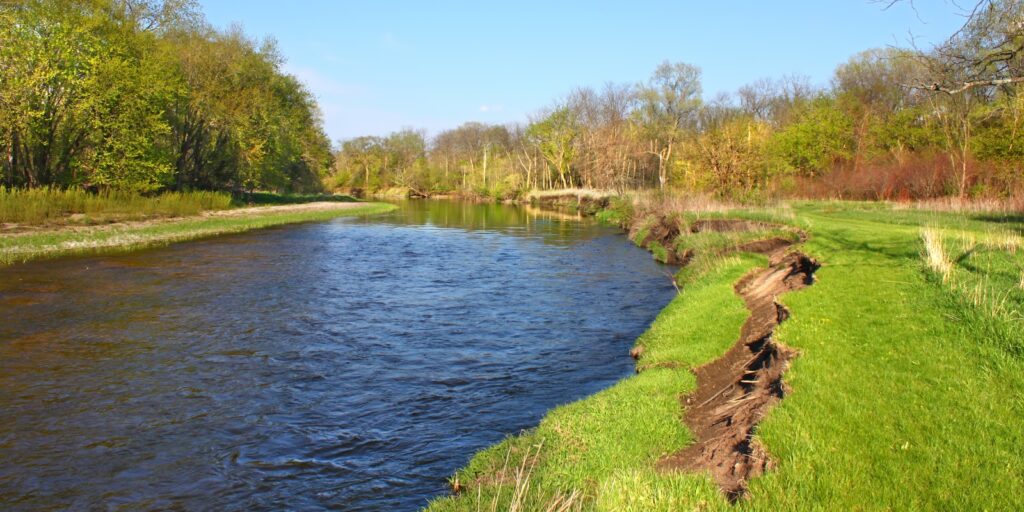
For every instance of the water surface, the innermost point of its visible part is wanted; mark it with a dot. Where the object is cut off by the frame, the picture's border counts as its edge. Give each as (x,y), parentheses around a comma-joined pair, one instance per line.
(349,365)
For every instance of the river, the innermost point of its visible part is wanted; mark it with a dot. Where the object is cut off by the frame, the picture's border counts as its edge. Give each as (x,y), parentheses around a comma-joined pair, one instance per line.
(352,364)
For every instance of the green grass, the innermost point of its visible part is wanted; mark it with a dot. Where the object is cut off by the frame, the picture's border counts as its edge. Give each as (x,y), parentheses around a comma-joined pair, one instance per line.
(21,247)
(49,205)
(908,392)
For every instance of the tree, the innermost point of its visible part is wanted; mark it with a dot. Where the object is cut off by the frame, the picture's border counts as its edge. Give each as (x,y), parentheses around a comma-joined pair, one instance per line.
(365,154)
(868,90)
(821,135)
(729,151)
(667,105)
(141,95)
(406,154)
(554,136)
(981,60)
(775,101)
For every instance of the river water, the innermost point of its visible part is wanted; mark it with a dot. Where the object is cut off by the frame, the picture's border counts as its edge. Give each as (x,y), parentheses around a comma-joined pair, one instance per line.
(349,365)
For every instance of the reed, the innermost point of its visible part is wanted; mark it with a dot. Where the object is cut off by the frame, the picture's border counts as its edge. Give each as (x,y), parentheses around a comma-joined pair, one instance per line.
(49,205)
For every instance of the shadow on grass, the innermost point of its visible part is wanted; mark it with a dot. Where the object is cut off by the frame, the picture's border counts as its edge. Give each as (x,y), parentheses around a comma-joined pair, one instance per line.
(1017,219)
(855,249)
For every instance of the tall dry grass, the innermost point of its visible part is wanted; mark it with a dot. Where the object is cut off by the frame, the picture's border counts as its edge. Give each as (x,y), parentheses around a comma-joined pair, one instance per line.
(583,193)
(651,202)
(935,253)
(966,205)
(49,205)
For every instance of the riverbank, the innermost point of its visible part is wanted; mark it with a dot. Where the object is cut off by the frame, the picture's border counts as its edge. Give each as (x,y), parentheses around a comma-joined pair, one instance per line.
(905,391)
(31,243)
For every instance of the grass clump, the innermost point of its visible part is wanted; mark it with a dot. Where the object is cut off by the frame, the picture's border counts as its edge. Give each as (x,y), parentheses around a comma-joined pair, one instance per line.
(618,212)
(659,251)
(935,253)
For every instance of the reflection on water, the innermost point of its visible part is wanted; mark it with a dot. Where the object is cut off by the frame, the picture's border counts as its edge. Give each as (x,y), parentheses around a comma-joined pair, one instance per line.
(352,364)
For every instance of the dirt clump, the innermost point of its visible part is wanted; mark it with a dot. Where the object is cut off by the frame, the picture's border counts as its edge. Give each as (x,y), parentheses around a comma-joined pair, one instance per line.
(726,225)
(766,246)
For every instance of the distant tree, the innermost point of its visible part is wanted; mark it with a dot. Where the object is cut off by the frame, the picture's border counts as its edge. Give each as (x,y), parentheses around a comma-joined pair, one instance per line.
(774,101)
(366,156)
(555,135)
(469,149)
(821,135)
(729,152)
(406,153)
(607,151)
(667,107)
(868,89)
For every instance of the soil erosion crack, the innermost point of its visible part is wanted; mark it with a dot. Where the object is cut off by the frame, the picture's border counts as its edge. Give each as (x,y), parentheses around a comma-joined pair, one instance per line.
(736,391)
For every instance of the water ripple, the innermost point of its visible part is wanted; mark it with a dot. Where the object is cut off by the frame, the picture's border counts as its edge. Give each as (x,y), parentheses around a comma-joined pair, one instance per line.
(348,365)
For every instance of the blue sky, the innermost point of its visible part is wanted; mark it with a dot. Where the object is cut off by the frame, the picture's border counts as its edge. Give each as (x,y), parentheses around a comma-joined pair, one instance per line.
(378,66)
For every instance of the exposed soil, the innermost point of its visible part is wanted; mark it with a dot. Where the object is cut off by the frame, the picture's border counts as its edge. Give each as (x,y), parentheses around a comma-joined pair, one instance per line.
(766,246)
(726,225)
(736,391)
(665,231)
(585,201)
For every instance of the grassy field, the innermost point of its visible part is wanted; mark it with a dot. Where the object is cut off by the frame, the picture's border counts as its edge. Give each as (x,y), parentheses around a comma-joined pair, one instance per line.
(124,237)
(908,392)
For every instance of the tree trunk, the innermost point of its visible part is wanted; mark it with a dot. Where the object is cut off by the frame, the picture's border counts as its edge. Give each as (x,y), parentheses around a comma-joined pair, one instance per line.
(485,168)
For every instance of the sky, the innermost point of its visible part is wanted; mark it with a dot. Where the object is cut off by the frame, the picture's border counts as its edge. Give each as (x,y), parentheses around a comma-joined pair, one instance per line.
(381,66)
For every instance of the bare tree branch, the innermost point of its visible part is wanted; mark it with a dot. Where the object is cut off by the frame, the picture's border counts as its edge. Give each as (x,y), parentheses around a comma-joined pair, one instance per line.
(986,51)
(936,87)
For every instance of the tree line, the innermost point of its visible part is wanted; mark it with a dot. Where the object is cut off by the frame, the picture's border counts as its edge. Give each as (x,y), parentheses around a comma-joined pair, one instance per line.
(144,95)
(893,123)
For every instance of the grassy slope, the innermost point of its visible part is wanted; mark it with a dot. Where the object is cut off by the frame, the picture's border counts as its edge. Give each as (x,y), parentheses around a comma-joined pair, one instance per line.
(905,394)
(51,244)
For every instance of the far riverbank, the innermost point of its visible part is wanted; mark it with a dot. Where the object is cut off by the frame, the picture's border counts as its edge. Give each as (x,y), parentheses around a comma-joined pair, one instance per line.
(68,240)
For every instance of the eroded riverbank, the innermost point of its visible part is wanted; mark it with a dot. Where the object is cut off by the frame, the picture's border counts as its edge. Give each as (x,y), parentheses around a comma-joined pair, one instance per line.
(897,371)
(730,395)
